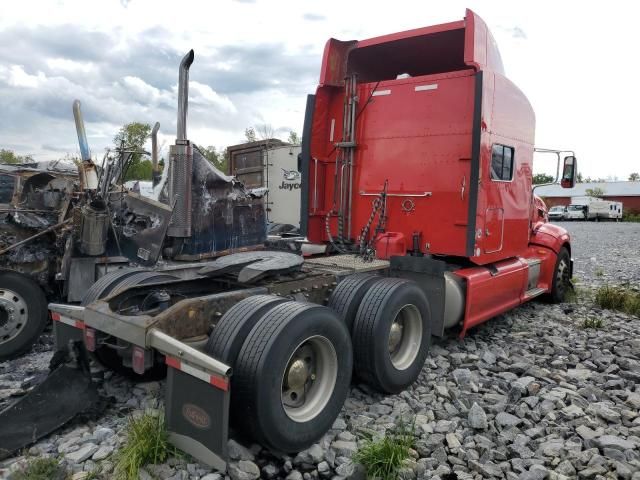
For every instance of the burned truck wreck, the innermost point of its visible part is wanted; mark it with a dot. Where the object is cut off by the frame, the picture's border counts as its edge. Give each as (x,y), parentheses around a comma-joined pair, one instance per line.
(85,225)
(34,200)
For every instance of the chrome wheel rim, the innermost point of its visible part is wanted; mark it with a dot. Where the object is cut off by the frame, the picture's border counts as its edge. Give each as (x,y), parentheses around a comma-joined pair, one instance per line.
(13,315)
(405,337)
(309,379)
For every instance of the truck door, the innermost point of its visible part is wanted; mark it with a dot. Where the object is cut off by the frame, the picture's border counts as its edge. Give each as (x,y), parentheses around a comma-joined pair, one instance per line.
(493,229)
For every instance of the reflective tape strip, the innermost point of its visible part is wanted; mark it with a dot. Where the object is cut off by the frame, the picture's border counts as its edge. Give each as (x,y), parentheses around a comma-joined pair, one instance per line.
(378,93)
(67,321)
(216,380)
(421,88)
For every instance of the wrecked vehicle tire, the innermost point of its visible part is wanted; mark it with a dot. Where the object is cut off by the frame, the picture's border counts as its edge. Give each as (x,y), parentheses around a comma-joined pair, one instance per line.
(114,283)
(23,313)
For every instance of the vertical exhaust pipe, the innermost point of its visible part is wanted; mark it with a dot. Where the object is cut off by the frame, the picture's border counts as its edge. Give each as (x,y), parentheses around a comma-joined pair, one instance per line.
(155,171)
(87,170)
(181,159)
(82,135)
(183,94)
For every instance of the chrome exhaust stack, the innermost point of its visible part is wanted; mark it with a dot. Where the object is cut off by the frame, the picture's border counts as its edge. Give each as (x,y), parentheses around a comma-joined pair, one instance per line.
(87,169)
(181,160)
(155,171)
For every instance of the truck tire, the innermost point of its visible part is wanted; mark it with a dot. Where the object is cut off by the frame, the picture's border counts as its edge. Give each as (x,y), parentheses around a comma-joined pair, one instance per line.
(118,281)
(391,335)
(292,376)
(23,313)
(231,331)
(561,277)
(103,286)
(346,297)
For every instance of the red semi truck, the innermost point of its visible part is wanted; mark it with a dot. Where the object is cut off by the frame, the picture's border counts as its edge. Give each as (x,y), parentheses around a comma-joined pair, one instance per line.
(416,175)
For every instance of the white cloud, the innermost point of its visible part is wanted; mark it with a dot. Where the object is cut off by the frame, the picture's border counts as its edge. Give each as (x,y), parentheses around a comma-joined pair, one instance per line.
(201,94)
(21,79)
(70,66)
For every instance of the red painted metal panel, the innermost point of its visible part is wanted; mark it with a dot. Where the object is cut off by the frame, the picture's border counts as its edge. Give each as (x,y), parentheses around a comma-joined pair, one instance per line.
(417,137)
(491,292)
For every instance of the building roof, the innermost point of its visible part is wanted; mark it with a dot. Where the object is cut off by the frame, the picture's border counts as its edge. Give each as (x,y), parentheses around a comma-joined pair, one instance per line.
(268,143)
(611,189)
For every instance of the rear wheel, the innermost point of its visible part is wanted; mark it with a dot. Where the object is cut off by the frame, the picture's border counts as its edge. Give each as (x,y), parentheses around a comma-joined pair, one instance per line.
(346,297)
(292,376)
(561,277)
(391,335)
(231,331)
(23,313)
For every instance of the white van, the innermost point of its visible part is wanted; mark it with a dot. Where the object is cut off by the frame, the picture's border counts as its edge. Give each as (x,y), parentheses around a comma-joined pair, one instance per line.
(577,212)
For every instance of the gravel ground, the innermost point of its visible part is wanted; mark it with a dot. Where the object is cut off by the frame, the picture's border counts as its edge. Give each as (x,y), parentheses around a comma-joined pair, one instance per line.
(529,395)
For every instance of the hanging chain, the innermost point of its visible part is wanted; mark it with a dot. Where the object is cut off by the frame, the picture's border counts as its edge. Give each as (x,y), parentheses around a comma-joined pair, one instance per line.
(367,250)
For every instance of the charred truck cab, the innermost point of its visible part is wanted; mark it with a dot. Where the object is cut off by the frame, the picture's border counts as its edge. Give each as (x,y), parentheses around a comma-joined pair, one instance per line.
(416,168)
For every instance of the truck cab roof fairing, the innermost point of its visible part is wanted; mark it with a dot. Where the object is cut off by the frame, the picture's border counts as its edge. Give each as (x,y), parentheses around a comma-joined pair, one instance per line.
(440,48)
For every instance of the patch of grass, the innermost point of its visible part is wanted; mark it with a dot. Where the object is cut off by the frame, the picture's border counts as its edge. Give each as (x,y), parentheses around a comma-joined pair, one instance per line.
(147,442)
(593,322)
(575,293)
(599,272)
(384,457)
(618,298)
(631,217)
(40,469)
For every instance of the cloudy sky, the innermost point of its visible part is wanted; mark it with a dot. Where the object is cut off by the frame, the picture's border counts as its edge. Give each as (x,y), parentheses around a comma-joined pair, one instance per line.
(256,60)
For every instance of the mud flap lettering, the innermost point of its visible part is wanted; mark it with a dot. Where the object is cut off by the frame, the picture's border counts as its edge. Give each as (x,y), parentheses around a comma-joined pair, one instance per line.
(197,412)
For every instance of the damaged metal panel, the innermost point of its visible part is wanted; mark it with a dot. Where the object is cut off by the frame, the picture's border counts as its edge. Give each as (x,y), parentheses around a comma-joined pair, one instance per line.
(225,216)
(141,224)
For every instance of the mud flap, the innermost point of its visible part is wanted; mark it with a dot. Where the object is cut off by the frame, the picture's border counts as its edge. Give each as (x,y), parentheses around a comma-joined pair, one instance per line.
(65,393)
(197,416)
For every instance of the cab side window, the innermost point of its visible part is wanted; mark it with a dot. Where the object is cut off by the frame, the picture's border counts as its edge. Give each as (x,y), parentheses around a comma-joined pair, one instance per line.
(502,163)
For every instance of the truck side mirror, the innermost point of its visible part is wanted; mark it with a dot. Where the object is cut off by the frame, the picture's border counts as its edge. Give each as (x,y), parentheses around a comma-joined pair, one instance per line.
(569,172)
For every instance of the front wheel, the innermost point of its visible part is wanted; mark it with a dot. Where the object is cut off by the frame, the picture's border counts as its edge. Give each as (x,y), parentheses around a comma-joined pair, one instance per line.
(292,376)
(561,277)
(23,314)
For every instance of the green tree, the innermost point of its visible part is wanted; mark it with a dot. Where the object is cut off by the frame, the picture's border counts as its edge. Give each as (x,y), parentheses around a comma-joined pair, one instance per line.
(293,138)
(634,177)
(595,192)
(133,136)
(7,156)
(579,178)
(540,178)
(217,159)
(250,134)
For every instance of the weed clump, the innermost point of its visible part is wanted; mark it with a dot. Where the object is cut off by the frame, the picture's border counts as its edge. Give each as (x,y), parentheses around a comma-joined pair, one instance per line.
(593,322)
(147,442)
(40,469)
(618,298)
(384,457)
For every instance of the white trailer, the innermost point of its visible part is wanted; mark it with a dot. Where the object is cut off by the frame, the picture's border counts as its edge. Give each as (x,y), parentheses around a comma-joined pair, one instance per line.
(605,209)
(271,164)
